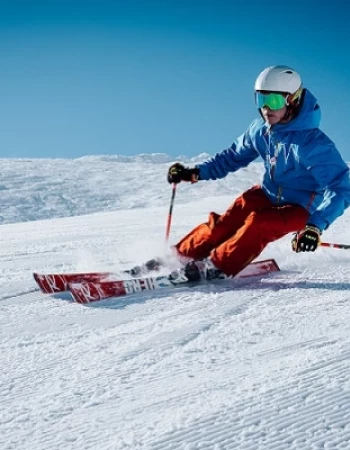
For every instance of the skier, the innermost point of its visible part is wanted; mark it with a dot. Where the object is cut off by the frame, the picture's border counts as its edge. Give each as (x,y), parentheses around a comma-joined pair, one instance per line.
(305,186)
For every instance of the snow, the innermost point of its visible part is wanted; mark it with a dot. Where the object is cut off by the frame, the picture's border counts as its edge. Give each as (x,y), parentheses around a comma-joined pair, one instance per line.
(263,364)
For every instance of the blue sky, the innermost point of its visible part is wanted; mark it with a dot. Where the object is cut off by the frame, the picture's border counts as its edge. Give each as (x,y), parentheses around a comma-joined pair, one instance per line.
(130,77)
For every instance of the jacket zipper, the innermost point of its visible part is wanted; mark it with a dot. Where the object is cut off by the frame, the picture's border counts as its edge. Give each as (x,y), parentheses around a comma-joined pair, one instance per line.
(279,194)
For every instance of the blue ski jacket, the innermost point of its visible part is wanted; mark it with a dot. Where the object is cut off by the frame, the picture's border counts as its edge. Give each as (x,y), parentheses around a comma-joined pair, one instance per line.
(302,165)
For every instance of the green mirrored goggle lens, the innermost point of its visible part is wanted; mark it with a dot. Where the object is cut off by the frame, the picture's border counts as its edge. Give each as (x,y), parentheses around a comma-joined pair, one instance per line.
(273,101)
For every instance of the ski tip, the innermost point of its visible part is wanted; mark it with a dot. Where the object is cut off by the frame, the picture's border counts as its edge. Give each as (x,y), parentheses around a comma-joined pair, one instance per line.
(258,268)
(77,293)
(42,283)
(276,266)
(270,265)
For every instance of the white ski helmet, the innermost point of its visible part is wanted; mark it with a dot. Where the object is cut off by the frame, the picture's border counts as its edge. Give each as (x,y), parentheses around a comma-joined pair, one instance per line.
(279,79)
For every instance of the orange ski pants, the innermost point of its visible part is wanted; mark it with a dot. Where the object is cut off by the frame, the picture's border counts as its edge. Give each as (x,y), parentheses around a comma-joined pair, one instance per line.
(237,237)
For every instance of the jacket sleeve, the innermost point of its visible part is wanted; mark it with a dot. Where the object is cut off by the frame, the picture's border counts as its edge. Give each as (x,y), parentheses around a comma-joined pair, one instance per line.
(332,176)
(240,154)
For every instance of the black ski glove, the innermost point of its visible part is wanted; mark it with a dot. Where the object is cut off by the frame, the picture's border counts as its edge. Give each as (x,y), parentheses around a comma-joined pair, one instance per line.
(177,172)
(306,240)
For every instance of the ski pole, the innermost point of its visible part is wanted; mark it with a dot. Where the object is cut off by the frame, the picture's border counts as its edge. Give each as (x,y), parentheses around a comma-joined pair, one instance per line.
(341,246)
(170,213)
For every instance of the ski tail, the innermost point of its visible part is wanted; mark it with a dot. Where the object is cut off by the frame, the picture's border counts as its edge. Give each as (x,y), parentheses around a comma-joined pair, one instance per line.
(92,291)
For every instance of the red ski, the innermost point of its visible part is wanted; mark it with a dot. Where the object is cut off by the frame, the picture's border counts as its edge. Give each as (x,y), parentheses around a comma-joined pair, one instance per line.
(92,291)
(59,282)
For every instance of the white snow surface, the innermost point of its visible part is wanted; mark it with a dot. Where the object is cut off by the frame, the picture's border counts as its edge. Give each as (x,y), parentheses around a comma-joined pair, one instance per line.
(260,364)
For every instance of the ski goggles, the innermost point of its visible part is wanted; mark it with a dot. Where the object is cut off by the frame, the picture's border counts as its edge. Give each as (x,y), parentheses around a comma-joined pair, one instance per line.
(274,101)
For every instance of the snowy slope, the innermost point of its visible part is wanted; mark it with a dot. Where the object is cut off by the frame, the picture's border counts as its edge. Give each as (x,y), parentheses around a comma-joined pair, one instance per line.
(261,364)
(43,188)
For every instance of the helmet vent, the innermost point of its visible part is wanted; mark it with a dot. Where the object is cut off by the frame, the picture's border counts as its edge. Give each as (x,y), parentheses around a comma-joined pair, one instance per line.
(278,79)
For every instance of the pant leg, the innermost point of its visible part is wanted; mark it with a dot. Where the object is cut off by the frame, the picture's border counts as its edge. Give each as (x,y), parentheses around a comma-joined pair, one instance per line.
(259,229)
(205,237)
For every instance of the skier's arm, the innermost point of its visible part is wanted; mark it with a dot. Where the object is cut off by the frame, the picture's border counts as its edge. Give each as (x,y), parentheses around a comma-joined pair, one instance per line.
(332,175)
(240,154)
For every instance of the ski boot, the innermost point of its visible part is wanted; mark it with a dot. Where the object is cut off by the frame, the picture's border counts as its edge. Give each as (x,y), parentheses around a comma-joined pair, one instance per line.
(202,270)
(150,266)
(195,271)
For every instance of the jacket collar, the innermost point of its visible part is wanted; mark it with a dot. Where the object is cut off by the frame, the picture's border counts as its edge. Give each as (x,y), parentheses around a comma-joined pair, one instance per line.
(309,116)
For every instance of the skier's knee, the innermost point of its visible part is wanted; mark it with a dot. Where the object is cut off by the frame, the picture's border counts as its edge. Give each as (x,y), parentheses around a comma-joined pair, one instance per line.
(256,218)
(262,219)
